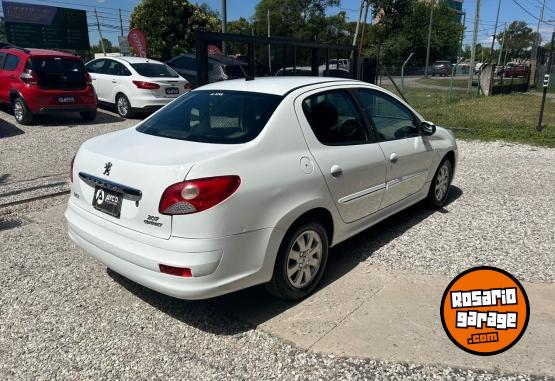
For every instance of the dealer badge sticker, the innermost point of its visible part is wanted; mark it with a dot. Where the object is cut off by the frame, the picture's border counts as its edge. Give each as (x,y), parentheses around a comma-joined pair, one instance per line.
(485,311)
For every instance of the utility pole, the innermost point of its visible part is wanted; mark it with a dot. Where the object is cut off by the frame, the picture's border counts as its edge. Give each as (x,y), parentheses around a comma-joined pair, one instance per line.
(269,46)
(502,44)
(363,25)
(534,52)
(224,25)
(546,85)
(473,51)
(494,31)
(429,37)
(99,32)
(120,23)
(362,5)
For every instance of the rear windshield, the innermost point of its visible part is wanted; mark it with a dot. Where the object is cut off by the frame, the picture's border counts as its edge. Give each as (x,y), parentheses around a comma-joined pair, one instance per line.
(154,70)
(58,73)
(225,117)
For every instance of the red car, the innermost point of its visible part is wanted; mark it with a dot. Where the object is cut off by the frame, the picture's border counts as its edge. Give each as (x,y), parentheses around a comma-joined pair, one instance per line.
(35,81)
(514,70)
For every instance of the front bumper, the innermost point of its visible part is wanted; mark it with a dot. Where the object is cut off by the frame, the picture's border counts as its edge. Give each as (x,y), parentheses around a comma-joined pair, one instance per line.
(218,266)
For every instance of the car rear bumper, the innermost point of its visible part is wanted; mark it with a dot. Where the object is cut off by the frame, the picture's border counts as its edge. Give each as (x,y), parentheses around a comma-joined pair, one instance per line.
(218,266)
(149,103)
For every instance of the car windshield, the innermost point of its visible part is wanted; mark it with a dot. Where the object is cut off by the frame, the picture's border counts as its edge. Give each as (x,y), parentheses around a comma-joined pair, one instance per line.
(225,117)
(154,70)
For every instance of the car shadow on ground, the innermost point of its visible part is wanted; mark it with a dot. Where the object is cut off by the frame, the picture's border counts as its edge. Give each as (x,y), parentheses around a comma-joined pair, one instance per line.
(7,129)
(112,109)
(65,119)
(246,309)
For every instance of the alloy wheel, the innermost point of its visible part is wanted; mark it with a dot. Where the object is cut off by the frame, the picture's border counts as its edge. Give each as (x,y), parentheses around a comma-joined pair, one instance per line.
(442,182)
(304,259)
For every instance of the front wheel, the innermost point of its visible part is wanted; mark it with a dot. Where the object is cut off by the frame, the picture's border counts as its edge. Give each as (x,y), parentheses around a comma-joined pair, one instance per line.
(124,106)
(439,189)
(300,262)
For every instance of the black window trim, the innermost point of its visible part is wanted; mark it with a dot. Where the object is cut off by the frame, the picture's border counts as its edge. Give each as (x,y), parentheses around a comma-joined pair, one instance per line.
(416,121)
(368,131)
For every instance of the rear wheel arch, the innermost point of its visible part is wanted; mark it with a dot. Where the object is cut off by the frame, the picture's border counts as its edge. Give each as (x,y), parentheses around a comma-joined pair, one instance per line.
(319,214)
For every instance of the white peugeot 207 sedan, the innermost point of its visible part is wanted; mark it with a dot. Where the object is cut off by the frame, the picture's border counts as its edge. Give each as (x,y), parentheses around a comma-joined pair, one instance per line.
(246,182)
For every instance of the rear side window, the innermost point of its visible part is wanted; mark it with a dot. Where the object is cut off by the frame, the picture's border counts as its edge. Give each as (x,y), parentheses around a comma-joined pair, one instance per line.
(154,70)
(334,118)
(2,58)
(11,62)
(225,117)
(96,66)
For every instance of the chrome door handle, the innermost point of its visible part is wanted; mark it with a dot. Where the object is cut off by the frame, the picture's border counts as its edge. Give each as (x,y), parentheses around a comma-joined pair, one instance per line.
(393,157)
(336,170)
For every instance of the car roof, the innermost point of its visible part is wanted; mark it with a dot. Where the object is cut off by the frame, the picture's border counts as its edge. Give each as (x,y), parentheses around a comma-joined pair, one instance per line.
(275,85)
(38,52)
(133,60)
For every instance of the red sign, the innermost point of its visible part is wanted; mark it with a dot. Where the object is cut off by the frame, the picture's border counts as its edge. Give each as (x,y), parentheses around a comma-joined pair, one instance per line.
(137,41)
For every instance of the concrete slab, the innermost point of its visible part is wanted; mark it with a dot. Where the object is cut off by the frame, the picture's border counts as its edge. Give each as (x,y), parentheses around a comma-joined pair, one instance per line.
(394,316)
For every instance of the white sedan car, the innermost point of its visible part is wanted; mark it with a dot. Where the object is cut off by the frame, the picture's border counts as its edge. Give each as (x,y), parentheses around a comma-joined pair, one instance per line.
(135,84)
(240,183)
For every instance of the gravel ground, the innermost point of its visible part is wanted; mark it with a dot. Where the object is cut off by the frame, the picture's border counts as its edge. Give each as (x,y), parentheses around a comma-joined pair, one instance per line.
(46,148)
(64,316)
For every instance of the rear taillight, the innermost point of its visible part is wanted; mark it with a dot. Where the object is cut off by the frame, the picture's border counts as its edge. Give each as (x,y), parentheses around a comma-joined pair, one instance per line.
(188,87)
(88,79)
(197,195)
(29,77)
(146,85)
(177,271)
(71,169)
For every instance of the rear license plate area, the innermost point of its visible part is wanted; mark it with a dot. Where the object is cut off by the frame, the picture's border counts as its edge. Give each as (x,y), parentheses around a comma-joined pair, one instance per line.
(107,201)
(172,91)
(66,99)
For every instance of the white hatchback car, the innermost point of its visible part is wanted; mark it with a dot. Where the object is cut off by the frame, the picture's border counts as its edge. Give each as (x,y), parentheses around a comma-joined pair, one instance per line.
(135,84)
(241,182)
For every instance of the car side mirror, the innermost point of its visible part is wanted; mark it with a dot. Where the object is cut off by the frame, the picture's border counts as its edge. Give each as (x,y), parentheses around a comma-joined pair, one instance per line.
(428,128)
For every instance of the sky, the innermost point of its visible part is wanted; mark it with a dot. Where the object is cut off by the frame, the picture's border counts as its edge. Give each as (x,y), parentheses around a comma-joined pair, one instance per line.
(509,11)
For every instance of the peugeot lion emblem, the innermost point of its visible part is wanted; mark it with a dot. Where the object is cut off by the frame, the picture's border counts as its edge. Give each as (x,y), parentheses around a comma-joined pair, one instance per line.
(107,168)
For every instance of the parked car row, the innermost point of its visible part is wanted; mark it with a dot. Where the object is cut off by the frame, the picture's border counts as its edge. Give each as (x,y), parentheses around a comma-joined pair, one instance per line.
(38,81)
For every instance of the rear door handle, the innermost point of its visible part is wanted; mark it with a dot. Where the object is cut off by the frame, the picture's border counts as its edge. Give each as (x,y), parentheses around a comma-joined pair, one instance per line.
(393,157)
(336,170)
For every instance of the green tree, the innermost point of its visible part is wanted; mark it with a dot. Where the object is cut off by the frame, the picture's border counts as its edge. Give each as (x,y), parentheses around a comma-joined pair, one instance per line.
(107,46)
(170,25)
(519,39)
(402,28)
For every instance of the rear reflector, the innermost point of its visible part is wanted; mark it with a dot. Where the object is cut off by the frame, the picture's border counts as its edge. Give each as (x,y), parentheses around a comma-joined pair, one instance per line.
(146,85)
(177,271)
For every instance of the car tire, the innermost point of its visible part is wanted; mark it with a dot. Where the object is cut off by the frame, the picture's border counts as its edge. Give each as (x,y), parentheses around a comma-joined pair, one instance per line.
(123,106)
(299,268)
(21,113)
(441,184)
(88,116)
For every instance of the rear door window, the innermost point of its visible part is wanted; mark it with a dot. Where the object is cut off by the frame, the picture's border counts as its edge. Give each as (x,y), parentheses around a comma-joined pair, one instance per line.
(96,66)
(116,68)
(11,62)
(154,70)
(225,117)
(334,118)
(59,73)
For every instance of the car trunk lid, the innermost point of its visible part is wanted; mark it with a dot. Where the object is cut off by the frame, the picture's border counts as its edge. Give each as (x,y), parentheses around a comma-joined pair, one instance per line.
(138,167)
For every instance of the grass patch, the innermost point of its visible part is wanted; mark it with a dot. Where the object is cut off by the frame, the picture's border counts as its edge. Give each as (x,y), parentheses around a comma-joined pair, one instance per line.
(510,117)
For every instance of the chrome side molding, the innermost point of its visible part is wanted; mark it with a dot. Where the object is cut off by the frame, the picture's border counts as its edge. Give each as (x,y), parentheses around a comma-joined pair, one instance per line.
(128,192)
